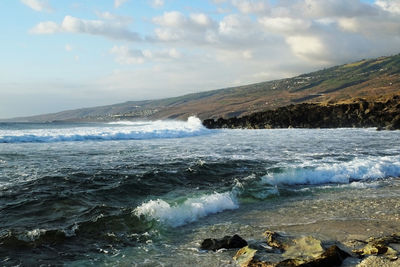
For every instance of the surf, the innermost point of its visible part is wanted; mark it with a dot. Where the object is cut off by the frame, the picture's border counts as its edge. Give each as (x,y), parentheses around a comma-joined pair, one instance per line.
(123,130)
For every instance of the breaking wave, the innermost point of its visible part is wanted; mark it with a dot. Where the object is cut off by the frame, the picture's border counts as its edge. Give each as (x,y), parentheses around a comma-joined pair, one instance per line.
(189,211)
(371,168)
(112,131)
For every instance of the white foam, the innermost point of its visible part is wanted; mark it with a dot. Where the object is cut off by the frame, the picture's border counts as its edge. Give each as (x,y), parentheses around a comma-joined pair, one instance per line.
(354,185)
(133,131)
(371,168)
(35,234)
(189,211)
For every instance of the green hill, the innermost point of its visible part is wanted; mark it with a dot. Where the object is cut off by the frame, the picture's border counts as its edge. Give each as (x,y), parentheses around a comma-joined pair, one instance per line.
(366,78)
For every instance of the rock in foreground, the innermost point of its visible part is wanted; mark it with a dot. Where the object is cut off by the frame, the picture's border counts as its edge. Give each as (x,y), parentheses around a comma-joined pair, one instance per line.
(281,250)
(226,242)
(305,251)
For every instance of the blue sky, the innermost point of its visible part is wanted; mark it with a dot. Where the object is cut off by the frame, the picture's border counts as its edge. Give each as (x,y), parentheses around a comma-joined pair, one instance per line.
(59,54)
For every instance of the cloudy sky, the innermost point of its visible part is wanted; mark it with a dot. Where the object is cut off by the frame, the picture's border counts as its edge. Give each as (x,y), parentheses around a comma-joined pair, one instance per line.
(65,54)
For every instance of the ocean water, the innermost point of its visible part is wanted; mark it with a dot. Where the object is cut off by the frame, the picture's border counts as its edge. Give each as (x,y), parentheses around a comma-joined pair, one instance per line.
(148,193)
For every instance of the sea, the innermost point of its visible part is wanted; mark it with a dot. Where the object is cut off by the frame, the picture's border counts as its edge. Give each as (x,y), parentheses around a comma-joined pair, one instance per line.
(147,193)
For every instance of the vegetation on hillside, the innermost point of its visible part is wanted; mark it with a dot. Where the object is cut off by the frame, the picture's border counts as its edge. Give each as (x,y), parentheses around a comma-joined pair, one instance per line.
(366,78)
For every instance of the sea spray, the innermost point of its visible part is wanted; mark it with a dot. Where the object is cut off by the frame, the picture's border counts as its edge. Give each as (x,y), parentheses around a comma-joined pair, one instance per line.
(365,169)
(189,211)
(112,131)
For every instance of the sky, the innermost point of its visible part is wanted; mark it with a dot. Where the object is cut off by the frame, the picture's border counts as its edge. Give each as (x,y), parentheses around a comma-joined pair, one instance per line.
(66,54)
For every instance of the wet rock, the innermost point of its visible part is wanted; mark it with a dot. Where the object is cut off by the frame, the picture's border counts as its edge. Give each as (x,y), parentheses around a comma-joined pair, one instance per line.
(305,251)
(375,261)
(226,242)
(303,247)
(361,113)
(276,240)
(22,240)
(306,247)
(380,246)
(333,256)
(394,124)
(245,256)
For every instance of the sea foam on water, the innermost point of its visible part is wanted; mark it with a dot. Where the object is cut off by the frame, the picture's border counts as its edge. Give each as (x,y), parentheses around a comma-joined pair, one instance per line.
(188,211)
(123,130)
(365,169)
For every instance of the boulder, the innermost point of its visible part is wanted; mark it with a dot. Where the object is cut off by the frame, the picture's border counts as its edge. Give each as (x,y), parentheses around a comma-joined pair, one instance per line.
(276,240)
(306,247)
(226,242)
(305,251)
(245,256)
(395,123)
(380,246)
(333,256)
(375,261)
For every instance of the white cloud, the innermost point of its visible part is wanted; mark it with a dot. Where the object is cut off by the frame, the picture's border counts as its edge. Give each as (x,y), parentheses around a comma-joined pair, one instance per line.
(392,6)
(157,3)
(108,29)
(307,47)
(68,48)
(233,25)
(201,19)
(253,42)
(46,27)
(118,3)
(175,19)
(284,24)
(170,19)
(173,53)
(163,34)
(37,5)
(247,54)
(251,6)
(372,29)
(123,20)
(175,26)
(126,56)
(336,8)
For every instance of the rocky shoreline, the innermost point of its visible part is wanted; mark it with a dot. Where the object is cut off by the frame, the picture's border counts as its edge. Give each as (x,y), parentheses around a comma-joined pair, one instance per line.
(361,113)
(282,250)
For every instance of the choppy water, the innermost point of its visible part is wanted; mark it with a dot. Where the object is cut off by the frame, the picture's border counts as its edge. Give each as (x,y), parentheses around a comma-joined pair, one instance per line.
(146,193)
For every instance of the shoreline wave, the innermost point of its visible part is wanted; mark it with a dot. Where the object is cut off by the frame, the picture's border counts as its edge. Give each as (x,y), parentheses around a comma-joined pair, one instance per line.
(189,211)
(340,173)
(114,131)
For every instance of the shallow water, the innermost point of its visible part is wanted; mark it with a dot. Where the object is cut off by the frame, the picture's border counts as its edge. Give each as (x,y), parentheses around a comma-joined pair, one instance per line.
(148,193)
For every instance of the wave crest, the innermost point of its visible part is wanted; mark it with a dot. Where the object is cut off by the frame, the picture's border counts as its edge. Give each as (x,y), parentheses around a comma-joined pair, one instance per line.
(114,131)
(188,211)
(342,173)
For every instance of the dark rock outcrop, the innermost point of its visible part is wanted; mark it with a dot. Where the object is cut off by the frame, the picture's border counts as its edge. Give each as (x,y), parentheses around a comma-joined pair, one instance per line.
(358,113)
(226,242)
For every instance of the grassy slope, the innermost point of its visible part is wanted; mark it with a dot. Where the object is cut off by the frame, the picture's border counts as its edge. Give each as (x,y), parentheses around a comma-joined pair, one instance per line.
(366,78)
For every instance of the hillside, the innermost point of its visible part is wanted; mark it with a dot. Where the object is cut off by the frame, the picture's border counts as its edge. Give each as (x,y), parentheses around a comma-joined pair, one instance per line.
(365,78)
(381,112)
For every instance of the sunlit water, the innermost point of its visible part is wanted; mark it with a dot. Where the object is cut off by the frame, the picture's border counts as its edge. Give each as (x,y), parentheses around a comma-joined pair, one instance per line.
(147,193)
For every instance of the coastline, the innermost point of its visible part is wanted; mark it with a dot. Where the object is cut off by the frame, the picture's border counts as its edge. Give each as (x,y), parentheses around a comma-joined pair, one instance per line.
(359,113)
(349,222)
(331,184)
